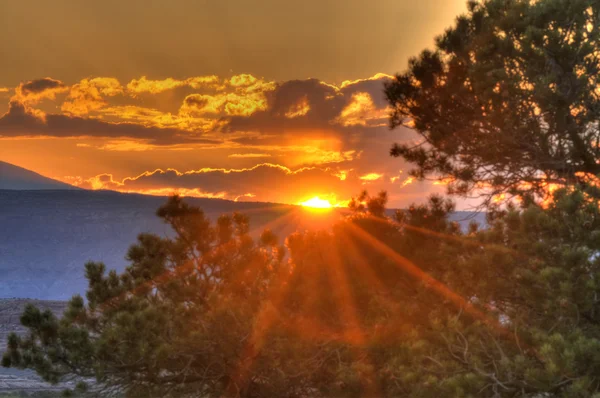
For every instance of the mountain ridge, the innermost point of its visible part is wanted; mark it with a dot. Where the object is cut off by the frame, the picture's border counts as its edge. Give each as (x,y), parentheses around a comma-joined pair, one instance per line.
(13,177)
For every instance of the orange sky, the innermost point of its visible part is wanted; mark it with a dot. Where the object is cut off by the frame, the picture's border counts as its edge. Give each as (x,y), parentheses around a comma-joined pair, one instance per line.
(250,101)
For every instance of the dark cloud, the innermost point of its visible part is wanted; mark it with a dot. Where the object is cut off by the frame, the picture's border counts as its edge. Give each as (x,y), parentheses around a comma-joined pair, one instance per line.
(269,182)
(279,112)
(325,105)
(264,181)
(40,85)
(339,133)
(373,86)
(22,121)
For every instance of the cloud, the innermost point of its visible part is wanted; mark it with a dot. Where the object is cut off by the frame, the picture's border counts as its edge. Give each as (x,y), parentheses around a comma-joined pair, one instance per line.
(362,111)
(198,105)
(145,85)
(408,181)
(262,182)
(319,104)
(371,177)
(249,155)
(34,91)
(250,84)
(299,109)
(244,83)
(244,107)
(21,121)
(150,117)
(372,85)
(343,174)
(326,139)
(395,178)
(88,95)
(305,106)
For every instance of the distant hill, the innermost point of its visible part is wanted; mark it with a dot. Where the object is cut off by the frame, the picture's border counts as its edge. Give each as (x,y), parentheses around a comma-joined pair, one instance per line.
(15,177)
(47,236)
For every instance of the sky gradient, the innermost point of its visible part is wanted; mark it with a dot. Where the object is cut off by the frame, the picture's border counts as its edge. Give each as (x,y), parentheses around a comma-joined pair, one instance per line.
(244,100)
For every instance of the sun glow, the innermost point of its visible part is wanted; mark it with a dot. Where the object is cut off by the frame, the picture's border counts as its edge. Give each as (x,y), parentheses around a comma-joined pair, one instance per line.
(316,203)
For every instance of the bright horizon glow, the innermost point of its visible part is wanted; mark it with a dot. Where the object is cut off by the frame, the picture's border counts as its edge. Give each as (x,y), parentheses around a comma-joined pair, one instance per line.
(316,203)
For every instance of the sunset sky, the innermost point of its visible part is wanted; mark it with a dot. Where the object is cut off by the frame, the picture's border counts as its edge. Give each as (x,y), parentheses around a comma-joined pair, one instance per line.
(263,100)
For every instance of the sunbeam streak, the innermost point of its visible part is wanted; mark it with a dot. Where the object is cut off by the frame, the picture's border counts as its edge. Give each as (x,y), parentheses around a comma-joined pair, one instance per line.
(412,269)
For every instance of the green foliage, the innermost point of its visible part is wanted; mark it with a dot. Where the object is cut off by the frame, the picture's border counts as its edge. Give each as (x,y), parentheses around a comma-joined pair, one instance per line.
(508,100)
(406,306)
(160,325)
(409,306)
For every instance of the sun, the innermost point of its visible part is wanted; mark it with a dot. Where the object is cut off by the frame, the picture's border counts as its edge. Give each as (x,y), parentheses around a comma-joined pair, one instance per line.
(316,203)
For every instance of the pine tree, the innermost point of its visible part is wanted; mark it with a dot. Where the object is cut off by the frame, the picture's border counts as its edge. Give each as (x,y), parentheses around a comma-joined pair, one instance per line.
(508,102)
(403,306)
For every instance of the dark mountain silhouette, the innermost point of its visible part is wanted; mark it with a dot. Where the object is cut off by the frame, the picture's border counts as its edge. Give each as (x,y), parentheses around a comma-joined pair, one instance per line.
(15,177)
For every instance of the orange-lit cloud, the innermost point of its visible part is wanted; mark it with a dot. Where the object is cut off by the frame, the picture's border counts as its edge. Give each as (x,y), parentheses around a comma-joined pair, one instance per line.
(299,109)
(408,181)
(142,115)
(126,145)
(378,76)
(88,95)
(362,111)
(371,177)
(395,178)
(107,181)
(23,121)
(250,84)
(145,85)
(244,197)
(168,191)
(249,155)
(343,174)
(226,103)
(33,91)
(263,182)
(443,181)
(98,106)
(322,139)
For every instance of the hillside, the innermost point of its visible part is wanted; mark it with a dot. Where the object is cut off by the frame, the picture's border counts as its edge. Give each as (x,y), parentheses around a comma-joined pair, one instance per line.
(15,177)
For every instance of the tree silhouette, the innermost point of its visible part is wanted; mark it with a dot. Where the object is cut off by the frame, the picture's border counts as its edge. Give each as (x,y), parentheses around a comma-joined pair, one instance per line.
(376,306)
(508,102)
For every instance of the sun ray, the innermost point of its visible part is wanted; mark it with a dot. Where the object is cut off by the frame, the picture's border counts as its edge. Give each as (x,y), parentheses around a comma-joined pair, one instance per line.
(266,317)
(362,265)
(410,268)
(355,334)
(287,218)
(454,238)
